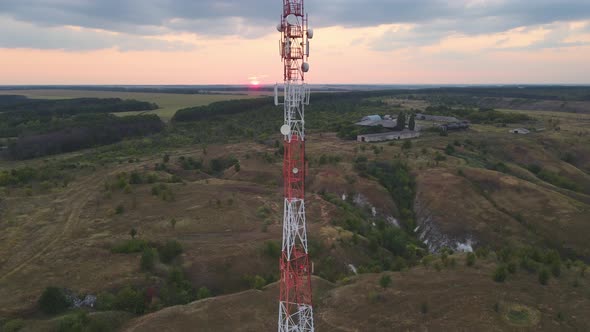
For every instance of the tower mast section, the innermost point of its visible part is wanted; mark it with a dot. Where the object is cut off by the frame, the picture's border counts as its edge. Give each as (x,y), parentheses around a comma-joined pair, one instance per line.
(295,300)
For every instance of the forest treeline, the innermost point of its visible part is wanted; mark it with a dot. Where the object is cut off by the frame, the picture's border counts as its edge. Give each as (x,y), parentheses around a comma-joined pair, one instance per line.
(20,115)
(83,131)
(72,106)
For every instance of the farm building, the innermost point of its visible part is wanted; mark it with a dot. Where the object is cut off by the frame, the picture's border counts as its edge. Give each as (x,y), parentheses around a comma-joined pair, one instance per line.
(436,118)
(455,126)
(376,120)
(521,131)
(389,136)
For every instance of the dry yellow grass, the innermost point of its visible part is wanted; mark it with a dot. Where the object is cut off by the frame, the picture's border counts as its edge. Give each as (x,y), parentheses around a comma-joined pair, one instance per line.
(421,299)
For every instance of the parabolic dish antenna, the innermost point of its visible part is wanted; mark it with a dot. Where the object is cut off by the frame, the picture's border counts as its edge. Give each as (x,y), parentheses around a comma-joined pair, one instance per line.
(285,130)
(295,170)
(291,19)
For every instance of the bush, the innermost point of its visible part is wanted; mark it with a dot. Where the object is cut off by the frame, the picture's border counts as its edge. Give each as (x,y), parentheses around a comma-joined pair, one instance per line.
(77,322)
(407,145)
(556,269)
(272,249)
(470,259)
(449,149)
(148,259)
(482,252)
(385,281)
(500,274)
(13,325)
(257,282)
(203,293)
(53,301)
(130,300)
(130,247)
(135,178)
(424,308)
(511,267)
(544,276)
(120,209)
(170,251)
(105,301)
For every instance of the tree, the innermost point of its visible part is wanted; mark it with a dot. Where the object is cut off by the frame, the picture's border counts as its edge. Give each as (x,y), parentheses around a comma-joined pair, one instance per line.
(133,233)
(412,124)
(173,223)
(385,281)
(53,301)
(401,121)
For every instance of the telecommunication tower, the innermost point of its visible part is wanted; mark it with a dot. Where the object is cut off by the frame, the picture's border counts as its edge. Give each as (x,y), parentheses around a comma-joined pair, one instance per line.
(295,306)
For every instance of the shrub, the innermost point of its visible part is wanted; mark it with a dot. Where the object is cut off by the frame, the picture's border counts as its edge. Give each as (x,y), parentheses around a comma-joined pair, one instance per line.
(511,267)
(135,178)
(130,300)
(500,274)
(385,281)
(407,145)
(76,322)
(272,249)
(129,247)
(119,209)
(374,297)
(105,301)
(439,157)
(424,308)
(482,252)
(13,325)
(170,251)
(449,149)
(544,276)
(203,293)
(529,264)
(148,259)
(257,282)
(556,269)
(470,259)
(497,307)
(426,260)
(53,301)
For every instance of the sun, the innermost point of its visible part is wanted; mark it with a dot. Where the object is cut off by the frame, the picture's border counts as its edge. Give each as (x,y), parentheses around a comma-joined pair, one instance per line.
(255,82)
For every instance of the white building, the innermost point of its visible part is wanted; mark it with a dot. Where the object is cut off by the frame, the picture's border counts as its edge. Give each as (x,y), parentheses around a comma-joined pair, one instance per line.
(389,136)
(521,131)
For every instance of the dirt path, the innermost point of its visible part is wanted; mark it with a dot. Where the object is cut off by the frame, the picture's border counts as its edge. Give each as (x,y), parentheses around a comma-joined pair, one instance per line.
(76,198)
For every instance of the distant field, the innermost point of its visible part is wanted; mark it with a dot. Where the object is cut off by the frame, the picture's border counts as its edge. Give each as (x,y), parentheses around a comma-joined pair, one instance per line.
(571,121)
(169,103)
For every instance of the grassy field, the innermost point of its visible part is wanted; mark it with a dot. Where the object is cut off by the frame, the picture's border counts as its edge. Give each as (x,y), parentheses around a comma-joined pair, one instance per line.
(169,103)
(481,191)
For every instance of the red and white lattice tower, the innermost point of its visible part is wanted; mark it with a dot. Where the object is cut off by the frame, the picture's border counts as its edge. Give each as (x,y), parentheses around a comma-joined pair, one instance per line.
(295,307)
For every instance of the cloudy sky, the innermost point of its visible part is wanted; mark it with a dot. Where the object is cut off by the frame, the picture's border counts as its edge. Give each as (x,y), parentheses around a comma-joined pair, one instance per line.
(235,41)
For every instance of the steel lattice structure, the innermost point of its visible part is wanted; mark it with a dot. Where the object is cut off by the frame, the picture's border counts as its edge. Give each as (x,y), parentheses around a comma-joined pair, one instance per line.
(295,307)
